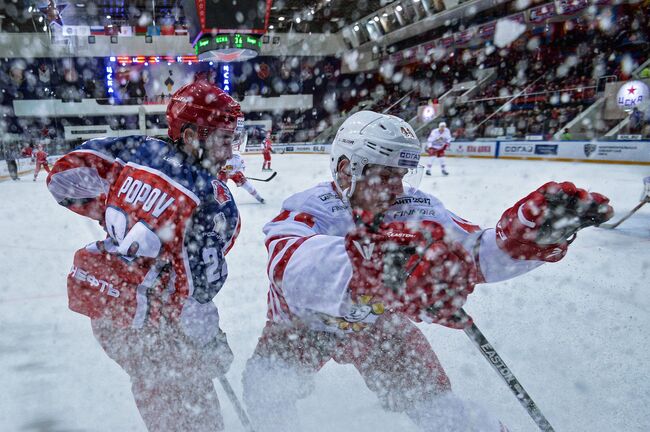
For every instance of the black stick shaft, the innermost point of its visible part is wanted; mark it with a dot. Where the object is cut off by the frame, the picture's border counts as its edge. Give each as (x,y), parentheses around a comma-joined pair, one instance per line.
(235,403)
(271,177)
(497,363)
(626,217)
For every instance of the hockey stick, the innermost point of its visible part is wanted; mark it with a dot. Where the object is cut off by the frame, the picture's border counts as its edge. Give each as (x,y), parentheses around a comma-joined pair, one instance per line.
(271,177)
(235,403)
(624,218)
(497,363)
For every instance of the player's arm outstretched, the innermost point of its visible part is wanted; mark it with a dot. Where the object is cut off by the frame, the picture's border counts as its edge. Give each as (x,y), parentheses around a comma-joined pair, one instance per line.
(81,179)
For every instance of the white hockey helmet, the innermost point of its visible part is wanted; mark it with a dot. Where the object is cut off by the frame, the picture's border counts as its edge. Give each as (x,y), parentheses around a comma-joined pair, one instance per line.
(368,137)
(442,124)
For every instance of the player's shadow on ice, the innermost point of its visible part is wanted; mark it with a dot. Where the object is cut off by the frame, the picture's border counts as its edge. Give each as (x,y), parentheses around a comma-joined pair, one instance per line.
(46,425)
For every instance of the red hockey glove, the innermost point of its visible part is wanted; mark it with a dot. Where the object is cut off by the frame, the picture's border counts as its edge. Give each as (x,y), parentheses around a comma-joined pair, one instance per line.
(410,270)
(103,285)
(540,226)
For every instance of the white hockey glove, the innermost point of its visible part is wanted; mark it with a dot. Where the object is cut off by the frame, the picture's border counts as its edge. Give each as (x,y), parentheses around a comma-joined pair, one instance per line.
(200,323)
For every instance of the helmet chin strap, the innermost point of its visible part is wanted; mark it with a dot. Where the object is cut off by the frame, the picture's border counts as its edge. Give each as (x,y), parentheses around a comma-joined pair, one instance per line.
(346,193)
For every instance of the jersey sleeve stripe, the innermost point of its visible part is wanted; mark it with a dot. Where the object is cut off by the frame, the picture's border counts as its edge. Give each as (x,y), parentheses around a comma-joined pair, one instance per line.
(274,256)
(281,265)
(231,242)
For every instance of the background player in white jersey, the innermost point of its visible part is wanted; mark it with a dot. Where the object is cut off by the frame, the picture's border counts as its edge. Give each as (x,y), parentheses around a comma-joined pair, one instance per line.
(233,170)
(354,261)
(437,143)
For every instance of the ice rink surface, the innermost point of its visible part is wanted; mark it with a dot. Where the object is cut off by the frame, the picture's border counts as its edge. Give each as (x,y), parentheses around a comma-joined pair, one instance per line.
(574,333)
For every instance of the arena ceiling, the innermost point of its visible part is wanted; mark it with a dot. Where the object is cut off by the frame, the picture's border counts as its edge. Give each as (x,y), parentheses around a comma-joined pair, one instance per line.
(303,16)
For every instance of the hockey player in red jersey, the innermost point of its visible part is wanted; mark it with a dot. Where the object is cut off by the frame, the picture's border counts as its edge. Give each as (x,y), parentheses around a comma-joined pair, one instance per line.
(148,286)
(354,262)
(267,147)
(233,170)
(41,161)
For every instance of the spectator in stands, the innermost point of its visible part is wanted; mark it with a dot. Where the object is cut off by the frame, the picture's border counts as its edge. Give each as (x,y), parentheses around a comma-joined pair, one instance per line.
(566,135)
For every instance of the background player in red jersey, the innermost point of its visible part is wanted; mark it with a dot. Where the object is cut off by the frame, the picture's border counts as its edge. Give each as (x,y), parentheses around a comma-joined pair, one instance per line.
(354,261)
(148,287)
(267,147)
(41,161)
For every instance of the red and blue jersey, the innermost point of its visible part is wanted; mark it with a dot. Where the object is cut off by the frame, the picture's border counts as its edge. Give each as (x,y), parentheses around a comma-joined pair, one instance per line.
(154,203)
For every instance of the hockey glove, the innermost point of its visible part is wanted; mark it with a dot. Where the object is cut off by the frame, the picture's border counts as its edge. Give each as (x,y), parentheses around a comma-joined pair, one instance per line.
(412,271)
(200,325)
(541,225)
(105,285)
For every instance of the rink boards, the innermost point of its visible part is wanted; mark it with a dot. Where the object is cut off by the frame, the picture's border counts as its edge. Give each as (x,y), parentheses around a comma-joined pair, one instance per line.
(621,152)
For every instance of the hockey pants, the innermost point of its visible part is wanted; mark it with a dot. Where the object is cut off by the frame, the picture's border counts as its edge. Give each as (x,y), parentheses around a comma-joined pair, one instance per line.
(170,382)
(441,161)
(393,357)
(38,166)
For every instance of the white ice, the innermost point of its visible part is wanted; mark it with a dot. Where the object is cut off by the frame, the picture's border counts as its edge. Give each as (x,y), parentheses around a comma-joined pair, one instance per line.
(574,333)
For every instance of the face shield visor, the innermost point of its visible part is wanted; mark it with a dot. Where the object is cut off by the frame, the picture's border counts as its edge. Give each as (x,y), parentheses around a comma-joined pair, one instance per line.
(217,146)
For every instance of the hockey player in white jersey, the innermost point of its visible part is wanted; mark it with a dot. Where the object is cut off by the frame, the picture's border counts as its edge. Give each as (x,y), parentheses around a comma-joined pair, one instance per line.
(354,262)
(438,141)
(233,170)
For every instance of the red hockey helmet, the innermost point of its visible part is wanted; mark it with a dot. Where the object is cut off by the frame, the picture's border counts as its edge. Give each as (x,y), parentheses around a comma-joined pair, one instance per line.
(204,105)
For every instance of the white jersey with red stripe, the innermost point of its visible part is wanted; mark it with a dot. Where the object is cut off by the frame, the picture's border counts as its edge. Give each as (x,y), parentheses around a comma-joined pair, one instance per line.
(310,270)
(234,165)
(438,140)
(151,199)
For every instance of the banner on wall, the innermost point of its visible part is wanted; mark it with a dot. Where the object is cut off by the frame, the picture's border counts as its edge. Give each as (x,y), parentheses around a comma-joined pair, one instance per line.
(292,148)
(610,151)
(622,151)
(570,7)
(541,13)
(474,149)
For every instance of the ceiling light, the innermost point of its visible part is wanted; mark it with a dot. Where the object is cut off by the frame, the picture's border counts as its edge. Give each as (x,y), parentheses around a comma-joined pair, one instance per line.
(384,14)
(298,20)
(356,28)
(398,8)
(281,19)
(40,19)
(108,17)
(376,19)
